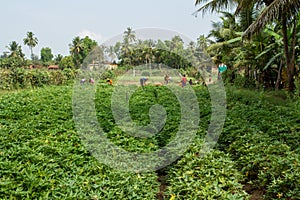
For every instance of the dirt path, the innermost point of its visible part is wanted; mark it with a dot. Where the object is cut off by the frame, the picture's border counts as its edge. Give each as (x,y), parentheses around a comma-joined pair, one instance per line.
(162,179)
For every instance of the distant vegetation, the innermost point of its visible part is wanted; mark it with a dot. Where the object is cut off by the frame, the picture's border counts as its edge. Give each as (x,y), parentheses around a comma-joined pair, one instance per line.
(43,157)
(269,59)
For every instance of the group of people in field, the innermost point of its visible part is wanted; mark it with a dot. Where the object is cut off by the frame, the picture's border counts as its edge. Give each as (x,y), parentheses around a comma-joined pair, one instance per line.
(167,80)
(92,81)
(143,80)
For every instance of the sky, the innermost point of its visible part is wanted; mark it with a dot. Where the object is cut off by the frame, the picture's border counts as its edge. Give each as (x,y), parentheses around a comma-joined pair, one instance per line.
(57,22)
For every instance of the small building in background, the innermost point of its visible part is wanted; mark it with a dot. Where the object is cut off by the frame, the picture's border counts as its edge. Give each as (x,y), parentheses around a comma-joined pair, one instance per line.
(53,67)
(35,66)
(106,65)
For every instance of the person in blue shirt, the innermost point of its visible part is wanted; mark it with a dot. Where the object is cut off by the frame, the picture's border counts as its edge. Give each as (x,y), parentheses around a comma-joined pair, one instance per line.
(221,68)
(143,81)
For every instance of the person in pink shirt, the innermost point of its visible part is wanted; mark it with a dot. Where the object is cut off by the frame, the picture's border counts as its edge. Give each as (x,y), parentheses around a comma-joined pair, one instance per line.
(183,80)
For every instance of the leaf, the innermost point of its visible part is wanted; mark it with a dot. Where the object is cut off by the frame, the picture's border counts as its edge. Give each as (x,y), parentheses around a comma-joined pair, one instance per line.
(237,39)
(272,60)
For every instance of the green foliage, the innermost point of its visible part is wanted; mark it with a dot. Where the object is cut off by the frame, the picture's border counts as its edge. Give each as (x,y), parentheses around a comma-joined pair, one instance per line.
(42,156)
(57,59)
(171,53)
(80,49)
(140,104)
(269,164)
(12,62)
(20,78)
(67,62)
(212,176)
(46,55)
(264,141)
(145,73)
(15,50)
(31,42)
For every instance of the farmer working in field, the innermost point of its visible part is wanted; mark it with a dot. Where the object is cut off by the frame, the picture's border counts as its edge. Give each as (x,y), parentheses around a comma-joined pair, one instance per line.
(183,81)
(91,81)
(143,81)
(109,81)
(167,78)
(82,81)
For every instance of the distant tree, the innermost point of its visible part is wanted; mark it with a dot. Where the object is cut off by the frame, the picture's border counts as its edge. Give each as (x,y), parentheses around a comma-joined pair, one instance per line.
(127,48)
(15,50)
(117,49)
(57,59)
(96,56)
(111,52)
(80,48)
(129,35)
(67,62)
(14,58)
(35,59)
(76,49)
(12,62)
(88,45)
(5,54)
(31,42)
(46,55)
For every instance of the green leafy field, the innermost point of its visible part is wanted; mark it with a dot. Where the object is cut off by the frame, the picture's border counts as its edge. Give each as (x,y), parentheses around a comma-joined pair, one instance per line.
(42,156)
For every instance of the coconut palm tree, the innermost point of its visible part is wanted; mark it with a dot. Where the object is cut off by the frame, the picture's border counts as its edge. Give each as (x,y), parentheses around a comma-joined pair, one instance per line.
(129,35)
(15,50)
(203,42)
(111,53)
(285,14)
(76,49)
(31,42)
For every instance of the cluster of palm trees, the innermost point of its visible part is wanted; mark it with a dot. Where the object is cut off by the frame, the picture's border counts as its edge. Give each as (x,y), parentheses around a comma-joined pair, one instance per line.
(79,49)
(15,49)
(15,57)
(264,40)
(172,53)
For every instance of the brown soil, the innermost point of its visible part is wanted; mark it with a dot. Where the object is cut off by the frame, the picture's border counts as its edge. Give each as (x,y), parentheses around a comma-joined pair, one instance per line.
(162,179)
(256,193)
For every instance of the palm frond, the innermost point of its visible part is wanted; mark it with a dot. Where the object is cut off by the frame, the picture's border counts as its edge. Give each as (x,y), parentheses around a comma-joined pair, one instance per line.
(234,40)
(273,12)
(213,6)
(244,4)
(215,46)
(272,60)
(263,53)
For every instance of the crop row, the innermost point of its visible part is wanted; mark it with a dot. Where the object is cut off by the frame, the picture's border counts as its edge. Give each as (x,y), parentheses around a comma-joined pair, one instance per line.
(43,155)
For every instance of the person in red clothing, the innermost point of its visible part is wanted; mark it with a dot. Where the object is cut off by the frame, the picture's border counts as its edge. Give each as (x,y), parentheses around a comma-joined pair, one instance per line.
(183,80)
(109,81)
(91,81)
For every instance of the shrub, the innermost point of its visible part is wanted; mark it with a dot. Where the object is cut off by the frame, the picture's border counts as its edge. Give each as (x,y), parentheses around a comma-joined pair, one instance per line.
(145,73)
(210,177)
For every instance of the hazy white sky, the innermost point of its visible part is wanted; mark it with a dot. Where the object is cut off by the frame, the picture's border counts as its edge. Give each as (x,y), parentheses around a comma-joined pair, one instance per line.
(56,22)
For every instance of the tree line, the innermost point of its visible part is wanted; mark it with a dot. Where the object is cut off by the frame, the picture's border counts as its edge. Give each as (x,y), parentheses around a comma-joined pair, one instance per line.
(258,41)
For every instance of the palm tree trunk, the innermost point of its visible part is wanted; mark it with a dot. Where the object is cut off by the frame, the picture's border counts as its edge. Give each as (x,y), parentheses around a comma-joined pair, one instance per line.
(247,72)
(293,52)
(31,53)
(278,77)
(287,53)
